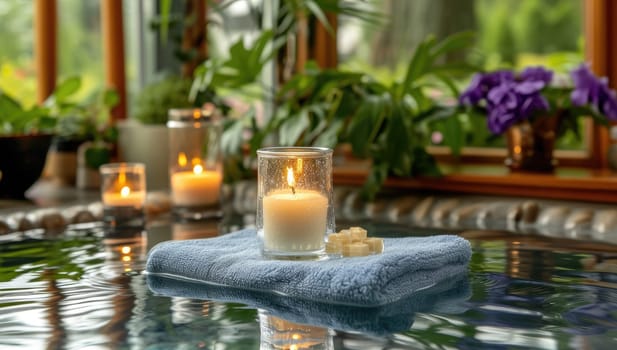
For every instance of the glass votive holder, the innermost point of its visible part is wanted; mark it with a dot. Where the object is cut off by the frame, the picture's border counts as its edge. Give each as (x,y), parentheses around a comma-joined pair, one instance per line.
(294,201)
(123,193)
(195,163)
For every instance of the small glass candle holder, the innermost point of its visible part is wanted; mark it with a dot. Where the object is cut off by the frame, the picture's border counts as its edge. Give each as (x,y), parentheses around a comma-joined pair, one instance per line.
(195,167)
(294,201)
(123,192)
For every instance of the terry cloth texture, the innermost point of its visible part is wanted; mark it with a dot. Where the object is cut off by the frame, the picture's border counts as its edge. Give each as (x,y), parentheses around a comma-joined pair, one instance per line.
(406,266)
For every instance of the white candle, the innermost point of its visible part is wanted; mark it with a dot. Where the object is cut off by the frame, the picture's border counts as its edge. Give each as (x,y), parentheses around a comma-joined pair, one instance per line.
(195,188)
(294,221)
(124,198)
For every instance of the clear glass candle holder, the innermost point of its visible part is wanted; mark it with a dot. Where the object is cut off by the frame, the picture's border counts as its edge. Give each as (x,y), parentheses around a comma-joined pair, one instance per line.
(294,201)
(123,193)
(195,163)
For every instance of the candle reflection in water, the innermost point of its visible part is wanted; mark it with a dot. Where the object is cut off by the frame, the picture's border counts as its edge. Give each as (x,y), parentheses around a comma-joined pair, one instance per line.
(57,335)
(195,230)
(123,254)
(278,333)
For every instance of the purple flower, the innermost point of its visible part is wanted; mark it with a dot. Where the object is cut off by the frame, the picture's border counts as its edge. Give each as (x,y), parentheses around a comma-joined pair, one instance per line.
(509,99)
(503,95)
(532,104)
(482,83)
(511,102)
(529,87)
(537,74)
(594,91)
(500,119)
(586,86)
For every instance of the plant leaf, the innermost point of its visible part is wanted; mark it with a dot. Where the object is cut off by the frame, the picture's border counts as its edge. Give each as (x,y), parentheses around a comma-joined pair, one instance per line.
(453,136)
(362,125)
(231,141)
(453,42)
(66,88)
(376,178)
(293,127)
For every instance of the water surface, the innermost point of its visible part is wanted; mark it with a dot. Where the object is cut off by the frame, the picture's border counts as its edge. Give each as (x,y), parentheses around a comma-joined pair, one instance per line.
(80,290)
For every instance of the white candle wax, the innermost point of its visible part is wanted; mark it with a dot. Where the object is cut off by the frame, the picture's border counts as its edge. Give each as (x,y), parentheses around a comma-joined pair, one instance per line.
(294,221)
(129,199)
(189,188)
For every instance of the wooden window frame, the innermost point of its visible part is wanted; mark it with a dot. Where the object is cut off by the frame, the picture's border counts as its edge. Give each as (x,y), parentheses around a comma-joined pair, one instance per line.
(46,49)
(600,50)
(592,181)
(582,175)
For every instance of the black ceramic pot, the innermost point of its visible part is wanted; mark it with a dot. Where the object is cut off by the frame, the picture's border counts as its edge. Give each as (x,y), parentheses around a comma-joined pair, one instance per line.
(22,159)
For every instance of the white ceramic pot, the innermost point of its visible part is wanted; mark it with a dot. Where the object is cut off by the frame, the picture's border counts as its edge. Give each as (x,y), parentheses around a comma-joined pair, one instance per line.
(148,144)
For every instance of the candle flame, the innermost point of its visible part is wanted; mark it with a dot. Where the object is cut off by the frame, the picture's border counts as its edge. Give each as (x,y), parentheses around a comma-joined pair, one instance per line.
(122,178)
(291,181)
(126,249)
(196,113)
(198,169)
(125,191)
(182,159)
(195,161)
(299,165)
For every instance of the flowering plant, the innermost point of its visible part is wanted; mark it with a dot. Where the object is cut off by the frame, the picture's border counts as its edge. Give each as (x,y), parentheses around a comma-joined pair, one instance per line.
(508,98)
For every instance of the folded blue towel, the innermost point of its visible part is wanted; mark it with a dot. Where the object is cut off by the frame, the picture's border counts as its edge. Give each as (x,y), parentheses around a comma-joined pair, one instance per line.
(234,260)
(449,297)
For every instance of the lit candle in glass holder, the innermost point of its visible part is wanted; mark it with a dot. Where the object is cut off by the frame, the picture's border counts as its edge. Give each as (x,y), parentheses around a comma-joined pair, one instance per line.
(123,192)
(194,134)
(196,187)
(294,211)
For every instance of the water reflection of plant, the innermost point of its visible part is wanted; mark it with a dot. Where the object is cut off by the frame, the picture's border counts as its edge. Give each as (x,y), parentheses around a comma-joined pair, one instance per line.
(33,256)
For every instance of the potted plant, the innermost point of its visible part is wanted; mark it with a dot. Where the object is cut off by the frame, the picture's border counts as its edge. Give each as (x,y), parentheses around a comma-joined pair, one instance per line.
(78,122)
(383,123)
(533,111)
(25,136)
(143,138)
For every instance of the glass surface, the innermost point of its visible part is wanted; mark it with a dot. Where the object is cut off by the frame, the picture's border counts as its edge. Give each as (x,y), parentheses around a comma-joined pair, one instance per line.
(80,43)
(17,71)
(78,289)
(294,200)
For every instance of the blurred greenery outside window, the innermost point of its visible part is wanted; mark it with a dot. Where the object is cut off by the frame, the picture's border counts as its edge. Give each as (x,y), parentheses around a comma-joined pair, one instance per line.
(509,34)
(79,47)
(80,44)
(17,68)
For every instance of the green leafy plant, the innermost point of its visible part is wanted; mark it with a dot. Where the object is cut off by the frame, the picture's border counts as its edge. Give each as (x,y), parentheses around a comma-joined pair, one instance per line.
(153,102)
(384,123)
(59,114)
(15,119)
(88,119)
(381,122)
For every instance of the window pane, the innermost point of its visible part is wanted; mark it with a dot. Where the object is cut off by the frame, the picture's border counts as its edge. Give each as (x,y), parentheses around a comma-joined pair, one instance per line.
(17,71)
(509,34)
(80,44)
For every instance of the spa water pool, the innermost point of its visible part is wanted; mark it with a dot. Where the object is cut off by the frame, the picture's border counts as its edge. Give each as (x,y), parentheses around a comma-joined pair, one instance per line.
(79,290)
